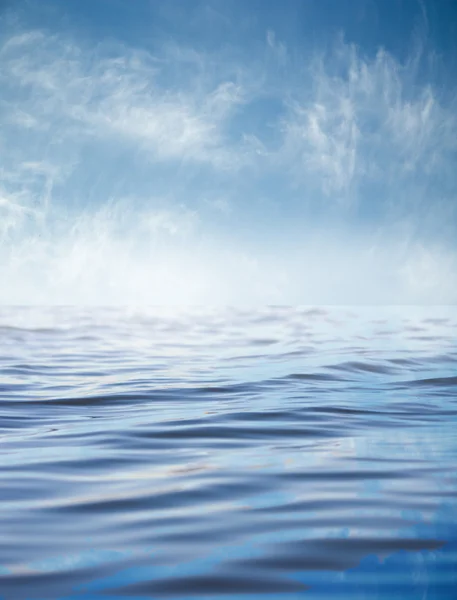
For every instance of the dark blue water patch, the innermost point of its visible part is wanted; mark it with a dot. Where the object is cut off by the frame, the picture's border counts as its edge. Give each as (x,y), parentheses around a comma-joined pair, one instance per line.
(364,367)
(435,382)
(279,453)
(313,377)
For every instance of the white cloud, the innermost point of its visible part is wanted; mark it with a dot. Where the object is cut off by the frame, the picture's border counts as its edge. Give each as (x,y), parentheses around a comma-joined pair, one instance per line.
(24,119)
(13,213)
(70,86)
(324,138)
(277,47)
(362,120)
(220,204)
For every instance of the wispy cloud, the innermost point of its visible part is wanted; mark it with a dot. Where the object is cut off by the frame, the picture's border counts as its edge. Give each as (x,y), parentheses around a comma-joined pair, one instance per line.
(359,121)
(85,91)
(367,134)
(277,47)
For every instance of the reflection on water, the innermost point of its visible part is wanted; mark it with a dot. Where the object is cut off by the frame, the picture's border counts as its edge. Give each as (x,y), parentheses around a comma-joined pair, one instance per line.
(283,452)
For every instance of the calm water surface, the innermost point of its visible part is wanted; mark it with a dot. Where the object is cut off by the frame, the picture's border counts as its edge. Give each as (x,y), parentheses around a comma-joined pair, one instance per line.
(276,453)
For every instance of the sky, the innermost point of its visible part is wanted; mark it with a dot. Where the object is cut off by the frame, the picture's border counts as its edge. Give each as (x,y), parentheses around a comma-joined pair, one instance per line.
(228,152)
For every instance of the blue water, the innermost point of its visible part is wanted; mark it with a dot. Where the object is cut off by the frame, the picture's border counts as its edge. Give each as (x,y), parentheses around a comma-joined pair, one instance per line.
(275,453)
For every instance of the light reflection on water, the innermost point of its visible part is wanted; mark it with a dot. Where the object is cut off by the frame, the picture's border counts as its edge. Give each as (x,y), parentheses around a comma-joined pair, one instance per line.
(283,452)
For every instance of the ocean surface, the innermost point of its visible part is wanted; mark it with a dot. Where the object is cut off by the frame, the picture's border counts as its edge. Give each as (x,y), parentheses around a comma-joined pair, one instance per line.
(296,453)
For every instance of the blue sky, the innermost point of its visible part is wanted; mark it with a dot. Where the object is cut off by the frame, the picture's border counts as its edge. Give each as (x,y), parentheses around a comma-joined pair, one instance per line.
(228,152)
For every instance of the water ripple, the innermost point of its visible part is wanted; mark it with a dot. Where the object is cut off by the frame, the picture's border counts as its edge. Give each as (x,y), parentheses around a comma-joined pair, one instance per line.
(284,452)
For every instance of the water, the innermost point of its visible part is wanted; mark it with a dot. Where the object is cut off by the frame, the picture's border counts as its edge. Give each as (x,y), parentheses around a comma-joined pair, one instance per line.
(278,453)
